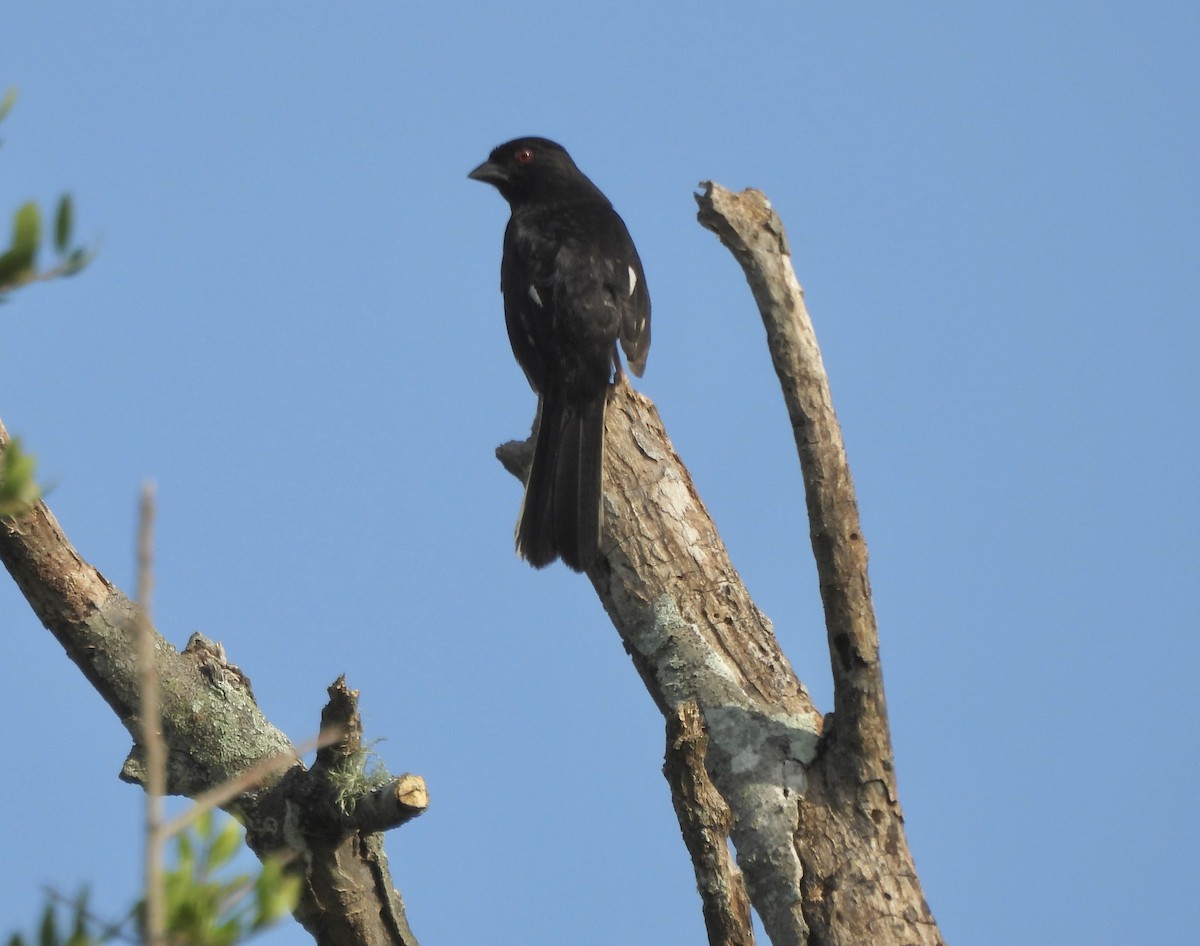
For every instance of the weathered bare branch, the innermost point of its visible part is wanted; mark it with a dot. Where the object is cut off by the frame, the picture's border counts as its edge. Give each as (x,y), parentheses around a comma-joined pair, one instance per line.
(859,883)
(214,733)
(751,229)
(814,814)
(705,819)
(695,636)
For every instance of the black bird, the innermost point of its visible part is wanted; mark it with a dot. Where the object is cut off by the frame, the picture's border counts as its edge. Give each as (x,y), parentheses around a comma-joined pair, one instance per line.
(573,287)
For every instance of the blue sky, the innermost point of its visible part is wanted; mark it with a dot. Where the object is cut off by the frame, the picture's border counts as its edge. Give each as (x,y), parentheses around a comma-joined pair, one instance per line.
(294,327)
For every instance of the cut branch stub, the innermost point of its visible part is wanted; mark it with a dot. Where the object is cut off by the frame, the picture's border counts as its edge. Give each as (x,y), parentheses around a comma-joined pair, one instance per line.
(216,736)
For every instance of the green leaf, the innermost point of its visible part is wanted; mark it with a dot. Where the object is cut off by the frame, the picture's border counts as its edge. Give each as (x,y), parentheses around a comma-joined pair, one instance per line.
(276,893)
(27,229)
(283,900)
(64,219)
(9,100)
(20,257)
(13,266)
(16,940)
(18,488)
(185,859)
(225,845)
(203,826)
(76,261)
(79,933)
(48,932)
(226,934)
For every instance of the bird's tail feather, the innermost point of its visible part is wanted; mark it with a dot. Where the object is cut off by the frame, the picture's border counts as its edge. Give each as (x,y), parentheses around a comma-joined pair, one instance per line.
(561,514)
(578,484)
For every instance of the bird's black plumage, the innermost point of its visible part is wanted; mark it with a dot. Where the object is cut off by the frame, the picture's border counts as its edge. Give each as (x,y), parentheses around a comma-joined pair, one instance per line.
(573,288)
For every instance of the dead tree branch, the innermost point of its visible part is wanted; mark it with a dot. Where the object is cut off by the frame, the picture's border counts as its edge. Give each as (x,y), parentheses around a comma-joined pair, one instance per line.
(859,882)
(215,732)
(748,225)
(813,811)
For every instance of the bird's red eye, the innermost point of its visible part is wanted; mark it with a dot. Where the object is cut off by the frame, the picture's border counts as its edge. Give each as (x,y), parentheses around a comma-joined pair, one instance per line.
(524,156)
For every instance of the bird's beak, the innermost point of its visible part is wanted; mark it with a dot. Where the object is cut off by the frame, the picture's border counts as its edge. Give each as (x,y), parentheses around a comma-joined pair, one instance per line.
(489,173)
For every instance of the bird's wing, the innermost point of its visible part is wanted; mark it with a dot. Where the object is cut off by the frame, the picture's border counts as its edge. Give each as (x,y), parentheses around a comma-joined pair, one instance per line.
(527,284)
(573,285)
(635,316)
(620,282)
(625,283)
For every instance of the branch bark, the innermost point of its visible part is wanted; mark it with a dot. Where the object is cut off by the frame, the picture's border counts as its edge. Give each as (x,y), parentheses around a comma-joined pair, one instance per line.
(752,231)
(813,811)
(214,732)
(705,819)
(695,636)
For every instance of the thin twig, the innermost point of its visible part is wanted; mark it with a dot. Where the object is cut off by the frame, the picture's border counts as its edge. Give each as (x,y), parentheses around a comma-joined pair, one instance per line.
(151,720)
(63,269)
(102,930)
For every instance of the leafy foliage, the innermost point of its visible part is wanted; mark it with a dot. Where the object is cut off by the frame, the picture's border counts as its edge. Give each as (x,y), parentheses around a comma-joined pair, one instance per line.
(206,904)
(18,490)
(206,909)
(49,933)
(19,263)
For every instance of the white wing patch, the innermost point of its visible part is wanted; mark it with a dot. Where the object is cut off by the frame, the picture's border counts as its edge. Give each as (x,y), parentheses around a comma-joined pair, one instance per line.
(533,294)
(632,280)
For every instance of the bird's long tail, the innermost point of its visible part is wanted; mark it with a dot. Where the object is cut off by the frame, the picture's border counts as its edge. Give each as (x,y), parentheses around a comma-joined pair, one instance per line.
(561,514)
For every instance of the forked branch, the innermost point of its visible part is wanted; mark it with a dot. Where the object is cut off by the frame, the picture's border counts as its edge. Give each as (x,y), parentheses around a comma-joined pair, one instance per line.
(812,811)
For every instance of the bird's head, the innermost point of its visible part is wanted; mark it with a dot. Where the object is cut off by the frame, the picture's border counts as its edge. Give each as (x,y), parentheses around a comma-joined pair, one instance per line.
(529,170)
